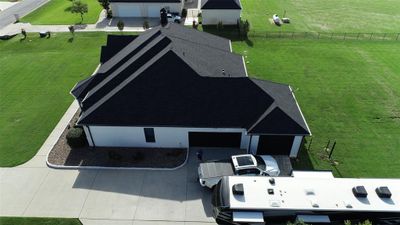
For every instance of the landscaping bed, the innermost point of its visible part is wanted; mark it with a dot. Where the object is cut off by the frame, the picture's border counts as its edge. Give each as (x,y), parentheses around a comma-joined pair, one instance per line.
(63,155)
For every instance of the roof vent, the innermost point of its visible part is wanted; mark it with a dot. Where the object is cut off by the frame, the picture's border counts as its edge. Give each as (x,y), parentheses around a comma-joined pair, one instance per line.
(272,181)
(237,189)
(360,192)
(383,192)
(270,191)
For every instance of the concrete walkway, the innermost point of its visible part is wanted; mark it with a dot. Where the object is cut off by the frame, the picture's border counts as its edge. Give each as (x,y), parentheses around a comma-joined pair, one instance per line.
(103,24)
(107,197)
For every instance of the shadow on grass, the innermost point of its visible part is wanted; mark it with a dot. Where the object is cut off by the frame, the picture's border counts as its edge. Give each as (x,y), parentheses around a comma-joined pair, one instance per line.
(71,39)
(230,32)
(303,161)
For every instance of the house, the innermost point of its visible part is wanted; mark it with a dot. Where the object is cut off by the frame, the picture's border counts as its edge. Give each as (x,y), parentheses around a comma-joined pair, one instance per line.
(144,8)
(225,11)
(174,87)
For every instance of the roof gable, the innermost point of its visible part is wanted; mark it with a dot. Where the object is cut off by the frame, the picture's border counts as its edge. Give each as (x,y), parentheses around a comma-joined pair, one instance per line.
(221,4)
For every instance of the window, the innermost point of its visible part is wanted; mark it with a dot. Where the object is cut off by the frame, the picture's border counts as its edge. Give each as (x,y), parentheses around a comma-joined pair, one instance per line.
(149,135)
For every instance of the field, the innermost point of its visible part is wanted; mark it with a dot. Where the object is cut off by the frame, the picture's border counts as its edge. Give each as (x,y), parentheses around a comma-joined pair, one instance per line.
(35,87)
(325,15)
(349,91)
(57,12)
(37,221)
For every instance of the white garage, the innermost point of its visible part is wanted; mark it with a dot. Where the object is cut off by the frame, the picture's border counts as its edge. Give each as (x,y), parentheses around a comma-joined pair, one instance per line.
(225,11)
(143,8)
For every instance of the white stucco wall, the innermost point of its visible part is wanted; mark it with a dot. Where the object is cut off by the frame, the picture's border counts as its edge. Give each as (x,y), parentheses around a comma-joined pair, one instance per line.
(214,16)
(117,8)
(167,137)
(296,146)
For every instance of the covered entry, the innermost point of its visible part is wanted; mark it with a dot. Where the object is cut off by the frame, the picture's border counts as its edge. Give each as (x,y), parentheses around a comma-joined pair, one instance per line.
(212,139)
(275,145)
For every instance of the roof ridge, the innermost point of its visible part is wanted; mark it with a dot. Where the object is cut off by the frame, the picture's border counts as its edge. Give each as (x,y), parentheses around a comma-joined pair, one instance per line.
(123,84)
(123,67)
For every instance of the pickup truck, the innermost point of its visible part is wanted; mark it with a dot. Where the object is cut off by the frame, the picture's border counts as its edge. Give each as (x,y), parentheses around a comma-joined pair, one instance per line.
(211,172)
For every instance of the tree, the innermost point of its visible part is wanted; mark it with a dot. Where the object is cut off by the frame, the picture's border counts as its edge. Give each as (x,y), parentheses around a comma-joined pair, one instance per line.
(120,25)
(79,7)
(106,5)
(163,17)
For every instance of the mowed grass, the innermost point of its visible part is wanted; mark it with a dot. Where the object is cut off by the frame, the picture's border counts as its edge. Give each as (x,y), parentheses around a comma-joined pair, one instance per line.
(36,77)
(38,221)
(325,15)
(348,91)
(57,12)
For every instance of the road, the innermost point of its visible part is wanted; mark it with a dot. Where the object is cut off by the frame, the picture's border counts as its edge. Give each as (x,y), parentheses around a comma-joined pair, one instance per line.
(21,9)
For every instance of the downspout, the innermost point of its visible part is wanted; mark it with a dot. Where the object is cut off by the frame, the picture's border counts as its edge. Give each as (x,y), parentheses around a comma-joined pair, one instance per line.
(91,137)
(249,148)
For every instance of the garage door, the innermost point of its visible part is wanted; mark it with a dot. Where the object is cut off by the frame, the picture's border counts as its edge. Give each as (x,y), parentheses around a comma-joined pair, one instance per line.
(153,11)
(129,11)
(275,145)
(209,139)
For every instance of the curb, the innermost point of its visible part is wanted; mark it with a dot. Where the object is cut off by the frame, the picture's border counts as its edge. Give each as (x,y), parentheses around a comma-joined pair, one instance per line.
(54,166)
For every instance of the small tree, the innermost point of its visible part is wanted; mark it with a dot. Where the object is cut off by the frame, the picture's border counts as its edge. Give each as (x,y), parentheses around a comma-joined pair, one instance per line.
(105,4)
(297,223)
(72,30)
(23,32)
(79,7)
(146,25)
(120,25)
(163,17)
(195,25)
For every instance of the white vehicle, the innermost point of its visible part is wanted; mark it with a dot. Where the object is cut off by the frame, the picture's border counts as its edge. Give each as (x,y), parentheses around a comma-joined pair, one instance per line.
(173,18)
(210,173)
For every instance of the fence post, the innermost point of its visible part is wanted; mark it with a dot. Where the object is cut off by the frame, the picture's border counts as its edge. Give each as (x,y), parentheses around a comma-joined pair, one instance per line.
(384,36)
(358,35)
(370,37)
(266,34)
(318,34)
(397,38)
(280,34)
(305,34)
(331,35)
(344,36)
(333,147)
(293,35)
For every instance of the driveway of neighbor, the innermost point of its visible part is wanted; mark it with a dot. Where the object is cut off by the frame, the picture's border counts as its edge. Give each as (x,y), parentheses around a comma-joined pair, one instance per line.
(21,9)
(107,196)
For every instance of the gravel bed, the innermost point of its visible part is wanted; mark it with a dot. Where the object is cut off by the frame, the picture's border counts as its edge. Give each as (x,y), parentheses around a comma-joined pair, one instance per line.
(63,155)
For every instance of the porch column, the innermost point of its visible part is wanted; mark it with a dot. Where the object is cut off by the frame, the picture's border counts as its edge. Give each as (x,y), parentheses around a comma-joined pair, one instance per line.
(296,146)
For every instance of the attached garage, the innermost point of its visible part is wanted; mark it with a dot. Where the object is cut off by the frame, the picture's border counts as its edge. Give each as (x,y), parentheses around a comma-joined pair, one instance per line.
(213,139)
(216,11)
(275,145)
(128,10)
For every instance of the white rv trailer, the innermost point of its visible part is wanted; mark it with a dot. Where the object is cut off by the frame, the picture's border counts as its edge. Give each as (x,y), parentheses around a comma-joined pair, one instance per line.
(319,199)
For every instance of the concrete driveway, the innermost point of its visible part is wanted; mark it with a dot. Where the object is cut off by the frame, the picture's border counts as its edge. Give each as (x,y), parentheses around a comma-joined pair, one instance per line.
(109,196)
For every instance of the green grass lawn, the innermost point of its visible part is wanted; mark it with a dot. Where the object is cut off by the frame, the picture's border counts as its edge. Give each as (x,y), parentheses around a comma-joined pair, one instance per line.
(56,12)
(36,77)
(38,221)
(348,90)
(325,15)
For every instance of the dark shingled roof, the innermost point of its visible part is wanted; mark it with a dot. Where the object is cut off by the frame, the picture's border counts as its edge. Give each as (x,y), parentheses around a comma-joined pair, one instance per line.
(115,43)
(146,1)
(180,77)
(221,4)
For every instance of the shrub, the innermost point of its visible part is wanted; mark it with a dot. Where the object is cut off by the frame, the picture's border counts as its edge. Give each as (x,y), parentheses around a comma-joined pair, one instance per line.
(220,25)
(146,25)
(120,25)
(76,137)
(109,14)
(184,13)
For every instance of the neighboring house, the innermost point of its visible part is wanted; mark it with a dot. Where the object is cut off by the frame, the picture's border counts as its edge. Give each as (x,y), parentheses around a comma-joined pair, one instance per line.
(144,8)
(174,87)
(225,11)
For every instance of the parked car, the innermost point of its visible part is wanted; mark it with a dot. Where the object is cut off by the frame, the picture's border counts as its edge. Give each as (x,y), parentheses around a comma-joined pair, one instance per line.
(211,172)
(173,17)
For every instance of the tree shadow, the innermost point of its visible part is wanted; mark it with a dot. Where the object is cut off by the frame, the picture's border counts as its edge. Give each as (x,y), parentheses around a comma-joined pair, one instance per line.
(68,9)
(71,39)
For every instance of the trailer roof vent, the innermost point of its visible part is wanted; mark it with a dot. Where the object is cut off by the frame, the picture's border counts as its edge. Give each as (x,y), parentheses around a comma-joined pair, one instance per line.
(360,192)
(237,189)
(383,192)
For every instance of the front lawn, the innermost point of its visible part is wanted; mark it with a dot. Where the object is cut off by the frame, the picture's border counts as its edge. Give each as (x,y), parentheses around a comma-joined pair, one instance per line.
(36,77)
(325,15)
(38,221)
(349,91)
(57,12)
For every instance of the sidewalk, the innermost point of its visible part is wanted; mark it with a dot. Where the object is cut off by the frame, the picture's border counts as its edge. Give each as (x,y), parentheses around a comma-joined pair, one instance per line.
(103,24)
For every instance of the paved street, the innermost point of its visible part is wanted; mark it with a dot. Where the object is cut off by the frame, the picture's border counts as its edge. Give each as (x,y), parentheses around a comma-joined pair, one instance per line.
(21,9)
(106,196)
